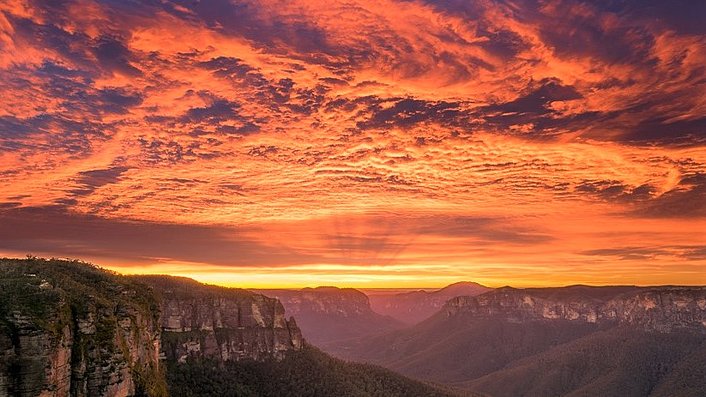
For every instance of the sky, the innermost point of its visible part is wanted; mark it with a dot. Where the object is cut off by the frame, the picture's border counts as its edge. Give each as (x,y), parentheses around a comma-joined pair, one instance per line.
(363,143)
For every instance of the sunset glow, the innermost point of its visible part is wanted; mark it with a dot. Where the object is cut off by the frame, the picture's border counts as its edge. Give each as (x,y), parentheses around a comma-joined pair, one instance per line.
(357,143)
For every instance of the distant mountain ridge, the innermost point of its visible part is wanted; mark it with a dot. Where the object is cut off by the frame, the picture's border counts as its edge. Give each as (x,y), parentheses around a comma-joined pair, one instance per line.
(655,308)
(578,340)
(326,314)
(70,328)
(415,306)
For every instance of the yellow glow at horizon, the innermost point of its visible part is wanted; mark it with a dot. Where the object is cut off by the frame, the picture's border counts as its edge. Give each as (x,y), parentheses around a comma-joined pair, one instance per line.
(375,276)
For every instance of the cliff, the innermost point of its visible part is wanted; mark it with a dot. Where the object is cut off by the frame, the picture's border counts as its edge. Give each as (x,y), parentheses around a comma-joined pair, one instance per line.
(342,302)
(578,341)
(204,321)
(68,328)
(329,314)
(660,309)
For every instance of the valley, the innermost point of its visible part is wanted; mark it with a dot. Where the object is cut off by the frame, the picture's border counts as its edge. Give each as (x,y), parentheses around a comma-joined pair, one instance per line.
(72,329)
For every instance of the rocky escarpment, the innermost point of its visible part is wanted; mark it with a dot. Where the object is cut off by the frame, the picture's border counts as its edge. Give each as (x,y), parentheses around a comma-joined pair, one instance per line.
(578,341)
(328,314)
(203,321)
(342,302)
(68,328)
(660,309)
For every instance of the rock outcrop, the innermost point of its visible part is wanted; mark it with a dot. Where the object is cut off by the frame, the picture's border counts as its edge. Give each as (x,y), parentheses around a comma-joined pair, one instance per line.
(660,309)
(72,329)
(68,328)
(329,314)
(341,302)
(221,323)
(578,341)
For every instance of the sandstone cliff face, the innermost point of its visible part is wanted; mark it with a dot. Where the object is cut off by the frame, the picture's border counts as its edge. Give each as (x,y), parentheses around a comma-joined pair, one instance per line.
(113,346)
(81,335)
(34,361)
(220,323)
(340,302)
(328,314)
(660,309)
(71,329)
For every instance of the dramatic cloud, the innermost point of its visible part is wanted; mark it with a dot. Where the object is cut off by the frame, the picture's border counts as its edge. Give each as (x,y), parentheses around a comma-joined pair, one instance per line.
(54,230)
(364,142)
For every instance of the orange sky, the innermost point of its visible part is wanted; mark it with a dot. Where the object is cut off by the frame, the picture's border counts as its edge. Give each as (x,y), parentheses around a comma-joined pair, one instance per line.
(358,143)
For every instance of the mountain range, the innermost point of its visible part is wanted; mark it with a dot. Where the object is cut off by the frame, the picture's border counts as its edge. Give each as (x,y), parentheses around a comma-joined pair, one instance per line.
(414,306)
(608,341)
(330,314)
(69,328)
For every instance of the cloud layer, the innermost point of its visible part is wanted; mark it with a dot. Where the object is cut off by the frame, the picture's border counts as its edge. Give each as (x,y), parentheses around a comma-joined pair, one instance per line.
(358,142)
